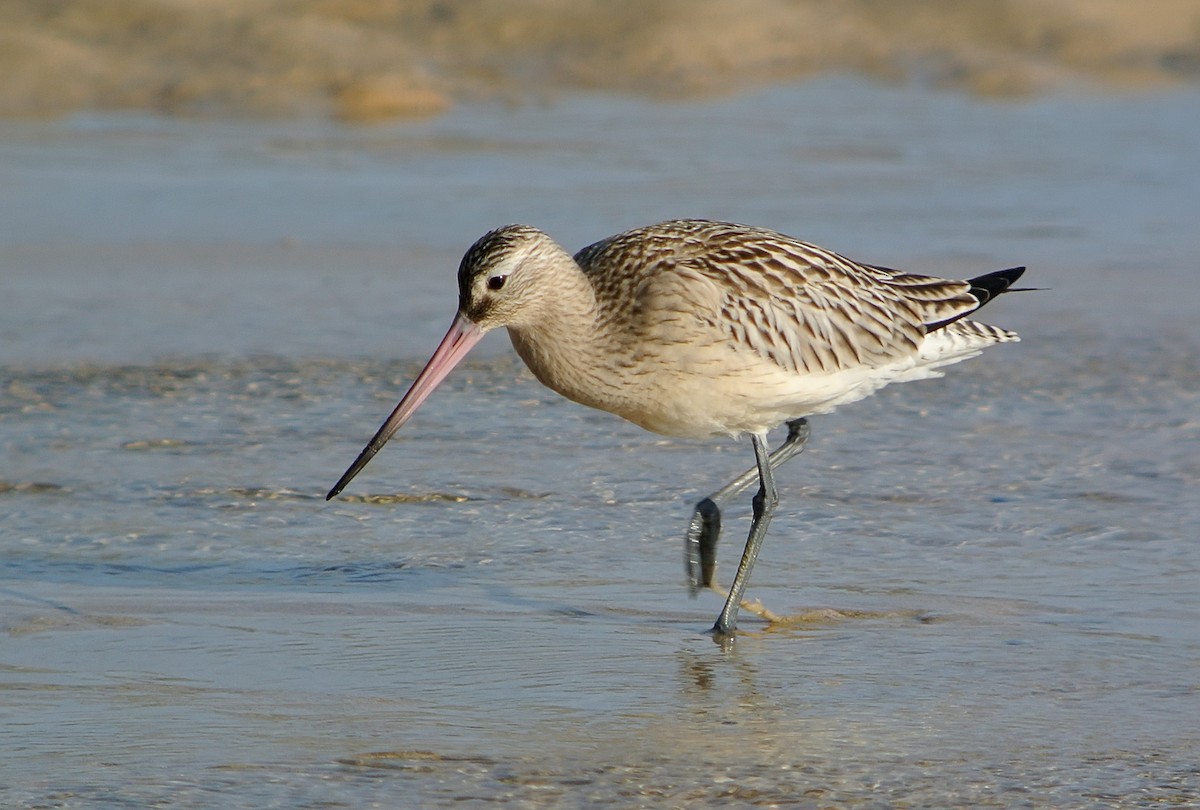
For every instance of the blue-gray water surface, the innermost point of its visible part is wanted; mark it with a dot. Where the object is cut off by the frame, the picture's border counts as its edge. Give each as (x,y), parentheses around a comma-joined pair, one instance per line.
(990,581)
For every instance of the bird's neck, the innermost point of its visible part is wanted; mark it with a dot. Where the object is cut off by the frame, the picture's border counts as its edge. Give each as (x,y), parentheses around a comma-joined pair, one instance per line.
(566,342)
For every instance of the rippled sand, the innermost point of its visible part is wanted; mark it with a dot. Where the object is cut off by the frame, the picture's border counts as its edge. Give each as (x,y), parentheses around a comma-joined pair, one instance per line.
(379,59)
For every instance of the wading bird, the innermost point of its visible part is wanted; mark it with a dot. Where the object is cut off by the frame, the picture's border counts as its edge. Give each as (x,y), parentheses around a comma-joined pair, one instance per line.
(699,329)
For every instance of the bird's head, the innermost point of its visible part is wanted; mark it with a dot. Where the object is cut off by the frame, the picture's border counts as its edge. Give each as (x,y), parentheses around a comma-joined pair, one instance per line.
(501,280)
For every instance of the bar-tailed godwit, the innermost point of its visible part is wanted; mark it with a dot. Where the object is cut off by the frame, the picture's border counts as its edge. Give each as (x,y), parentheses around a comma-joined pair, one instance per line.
(700,329)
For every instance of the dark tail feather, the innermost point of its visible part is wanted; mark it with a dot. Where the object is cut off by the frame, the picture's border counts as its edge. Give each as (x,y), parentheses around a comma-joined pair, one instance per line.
(989,285)
(985,288)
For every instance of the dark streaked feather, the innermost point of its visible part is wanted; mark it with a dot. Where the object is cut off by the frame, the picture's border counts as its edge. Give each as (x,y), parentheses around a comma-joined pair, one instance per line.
(984,288)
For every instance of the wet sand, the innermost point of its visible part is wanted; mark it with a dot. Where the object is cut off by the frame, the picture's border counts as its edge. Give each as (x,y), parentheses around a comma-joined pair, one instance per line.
(362,60)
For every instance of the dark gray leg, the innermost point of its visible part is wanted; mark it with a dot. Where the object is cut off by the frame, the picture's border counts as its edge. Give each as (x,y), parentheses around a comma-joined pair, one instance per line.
(765,501)
(704,531)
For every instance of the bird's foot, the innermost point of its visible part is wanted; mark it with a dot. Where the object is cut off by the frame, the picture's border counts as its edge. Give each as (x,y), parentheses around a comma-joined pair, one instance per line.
(723,635)
(724,632)
(754,606)
(700,546)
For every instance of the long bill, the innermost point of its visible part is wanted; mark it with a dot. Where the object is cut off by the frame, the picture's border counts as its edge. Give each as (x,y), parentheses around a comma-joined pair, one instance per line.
(459,340)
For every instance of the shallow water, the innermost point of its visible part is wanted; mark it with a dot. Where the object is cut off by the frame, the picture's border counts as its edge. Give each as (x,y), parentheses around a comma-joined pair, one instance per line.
(991,577)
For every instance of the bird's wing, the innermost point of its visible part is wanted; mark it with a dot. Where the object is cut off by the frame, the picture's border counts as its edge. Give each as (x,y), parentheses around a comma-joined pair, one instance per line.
(802,307)
(808,309)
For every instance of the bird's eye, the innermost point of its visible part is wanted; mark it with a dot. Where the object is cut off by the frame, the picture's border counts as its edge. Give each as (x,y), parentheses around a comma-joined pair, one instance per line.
(496,282)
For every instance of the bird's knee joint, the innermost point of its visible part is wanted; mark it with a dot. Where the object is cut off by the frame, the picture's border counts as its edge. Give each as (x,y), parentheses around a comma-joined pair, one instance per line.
(798,428)
(765,501)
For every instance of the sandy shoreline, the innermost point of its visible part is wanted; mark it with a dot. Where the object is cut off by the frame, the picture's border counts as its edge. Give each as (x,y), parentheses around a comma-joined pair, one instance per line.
(378,59)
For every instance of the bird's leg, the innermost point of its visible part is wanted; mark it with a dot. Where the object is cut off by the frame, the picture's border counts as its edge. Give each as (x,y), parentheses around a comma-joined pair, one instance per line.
(751,606)
(765,501)
(704,531)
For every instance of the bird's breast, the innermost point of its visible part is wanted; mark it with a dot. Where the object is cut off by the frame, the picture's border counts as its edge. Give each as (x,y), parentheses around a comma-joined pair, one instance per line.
(687,390)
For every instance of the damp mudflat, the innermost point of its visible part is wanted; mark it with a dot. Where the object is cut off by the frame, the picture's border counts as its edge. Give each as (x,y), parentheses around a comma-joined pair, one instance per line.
(990,580)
